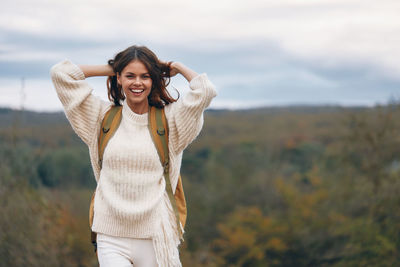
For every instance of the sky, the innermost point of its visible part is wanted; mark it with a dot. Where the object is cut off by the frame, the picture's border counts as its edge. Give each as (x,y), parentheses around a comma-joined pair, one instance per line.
(256,52)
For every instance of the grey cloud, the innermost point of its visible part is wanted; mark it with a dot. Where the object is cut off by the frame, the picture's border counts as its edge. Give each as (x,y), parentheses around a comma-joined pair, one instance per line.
(33,69)
(42,42)
(236,61)
(346,81)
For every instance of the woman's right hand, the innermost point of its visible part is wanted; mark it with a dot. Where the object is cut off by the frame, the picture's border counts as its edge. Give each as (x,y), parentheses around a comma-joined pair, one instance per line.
(96,70)
(178,67)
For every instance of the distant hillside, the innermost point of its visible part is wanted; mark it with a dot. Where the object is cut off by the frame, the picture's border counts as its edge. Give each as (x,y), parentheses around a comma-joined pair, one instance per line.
(10,117)
(273,186)
(289,109)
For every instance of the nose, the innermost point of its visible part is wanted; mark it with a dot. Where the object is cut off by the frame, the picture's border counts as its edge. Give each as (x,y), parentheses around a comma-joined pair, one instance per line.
(137,80)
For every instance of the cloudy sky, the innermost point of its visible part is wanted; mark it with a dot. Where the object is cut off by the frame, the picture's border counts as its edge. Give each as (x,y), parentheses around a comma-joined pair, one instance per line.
(256,52)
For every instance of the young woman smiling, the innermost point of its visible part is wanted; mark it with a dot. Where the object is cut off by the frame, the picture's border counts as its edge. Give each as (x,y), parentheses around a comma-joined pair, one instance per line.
(133,217)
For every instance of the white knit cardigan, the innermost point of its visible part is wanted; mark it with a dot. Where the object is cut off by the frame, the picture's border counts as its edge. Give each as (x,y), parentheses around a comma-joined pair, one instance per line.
(131,200)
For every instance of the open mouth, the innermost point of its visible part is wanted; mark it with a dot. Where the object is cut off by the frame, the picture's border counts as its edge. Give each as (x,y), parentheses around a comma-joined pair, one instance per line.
(137,91)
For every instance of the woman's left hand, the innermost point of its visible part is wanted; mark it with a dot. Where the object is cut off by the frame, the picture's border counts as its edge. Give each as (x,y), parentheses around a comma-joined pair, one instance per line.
(178,67)
(173,68)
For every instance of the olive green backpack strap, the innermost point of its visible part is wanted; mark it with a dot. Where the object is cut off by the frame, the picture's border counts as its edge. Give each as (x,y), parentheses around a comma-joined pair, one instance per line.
(109,125)
(159,132)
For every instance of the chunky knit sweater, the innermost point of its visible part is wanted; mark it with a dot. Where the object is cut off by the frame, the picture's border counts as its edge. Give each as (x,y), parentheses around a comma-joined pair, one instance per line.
(131,200)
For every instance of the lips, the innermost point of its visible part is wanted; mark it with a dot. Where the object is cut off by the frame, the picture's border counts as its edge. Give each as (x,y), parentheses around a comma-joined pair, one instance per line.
(136,91)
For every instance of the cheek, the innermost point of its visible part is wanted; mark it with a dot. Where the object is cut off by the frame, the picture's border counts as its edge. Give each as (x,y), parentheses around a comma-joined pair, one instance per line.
(122,82)
(125,84)
(149,84)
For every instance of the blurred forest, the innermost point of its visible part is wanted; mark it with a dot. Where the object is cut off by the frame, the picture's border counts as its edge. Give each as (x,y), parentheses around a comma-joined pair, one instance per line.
(288,186)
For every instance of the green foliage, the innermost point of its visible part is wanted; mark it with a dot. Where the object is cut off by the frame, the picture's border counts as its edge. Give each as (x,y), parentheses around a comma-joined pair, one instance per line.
(65,167)
(268,187)
(250,239)
(36,230)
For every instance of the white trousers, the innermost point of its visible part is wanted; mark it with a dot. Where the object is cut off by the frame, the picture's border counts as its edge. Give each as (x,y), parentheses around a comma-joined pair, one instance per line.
(115,251)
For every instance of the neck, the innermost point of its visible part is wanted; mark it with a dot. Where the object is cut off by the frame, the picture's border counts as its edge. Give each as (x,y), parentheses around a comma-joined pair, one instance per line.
(139,108)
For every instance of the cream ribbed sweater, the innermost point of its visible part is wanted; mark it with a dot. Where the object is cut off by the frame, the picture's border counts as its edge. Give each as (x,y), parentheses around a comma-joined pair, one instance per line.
(131,200)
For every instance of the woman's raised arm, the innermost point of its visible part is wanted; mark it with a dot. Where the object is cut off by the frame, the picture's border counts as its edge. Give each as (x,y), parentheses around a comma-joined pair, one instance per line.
(96,70)
(83,109)
(185,118)
(178,67)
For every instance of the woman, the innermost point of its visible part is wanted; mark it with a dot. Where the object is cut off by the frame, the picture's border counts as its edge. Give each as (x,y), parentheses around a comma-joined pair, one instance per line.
(133,217)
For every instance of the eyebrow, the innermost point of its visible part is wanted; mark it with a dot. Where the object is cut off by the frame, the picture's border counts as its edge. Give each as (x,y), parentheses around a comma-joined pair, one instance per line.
(135,73)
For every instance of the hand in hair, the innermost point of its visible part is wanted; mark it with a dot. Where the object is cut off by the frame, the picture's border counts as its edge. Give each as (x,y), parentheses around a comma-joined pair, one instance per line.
(178,67)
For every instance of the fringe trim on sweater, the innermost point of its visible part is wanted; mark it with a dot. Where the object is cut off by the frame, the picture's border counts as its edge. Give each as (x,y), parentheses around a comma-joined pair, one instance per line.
(167,240)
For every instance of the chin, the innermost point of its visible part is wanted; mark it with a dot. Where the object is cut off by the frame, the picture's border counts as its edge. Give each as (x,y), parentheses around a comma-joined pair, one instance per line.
(137,102)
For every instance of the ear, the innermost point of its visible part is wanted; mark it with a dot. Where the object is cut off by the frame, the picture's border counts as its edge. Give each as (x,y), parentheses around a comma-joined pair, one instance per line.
(118,78)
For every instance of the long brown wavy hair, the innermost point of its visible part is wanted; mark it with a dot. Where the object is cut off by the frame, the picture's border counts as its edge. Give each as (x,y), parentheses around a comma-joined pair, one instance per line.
(159,74)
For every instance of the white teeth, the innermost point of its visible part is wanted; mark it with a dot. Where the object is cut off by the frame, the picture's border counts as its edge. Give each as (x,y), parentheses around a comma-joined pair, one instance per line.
(136,91)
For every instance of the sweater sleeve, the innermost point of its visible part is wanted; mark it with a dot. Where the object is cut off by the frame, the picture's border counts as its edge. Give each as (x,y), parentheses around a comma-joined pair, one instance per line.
(185,117)
(82,108)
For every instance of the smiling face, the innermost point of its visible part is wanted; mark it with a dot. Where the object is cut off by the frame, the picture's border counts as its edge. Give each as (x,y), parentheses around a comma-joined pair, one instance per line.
(136,83)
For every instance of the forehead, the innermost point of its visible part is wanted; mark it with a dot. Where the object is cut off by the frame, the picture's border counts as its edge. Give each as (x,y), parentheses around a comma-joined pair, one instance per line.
(136,67)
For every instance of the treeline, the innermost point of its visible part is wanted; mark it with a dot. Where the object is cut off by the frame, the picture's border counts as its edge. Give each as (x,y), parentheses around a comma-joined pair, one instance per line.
(297,186)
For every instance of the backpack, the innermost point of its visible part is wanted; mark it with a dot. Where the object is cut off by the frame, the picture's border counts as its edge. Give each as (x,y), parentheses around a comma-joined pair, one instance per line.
(159,132)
